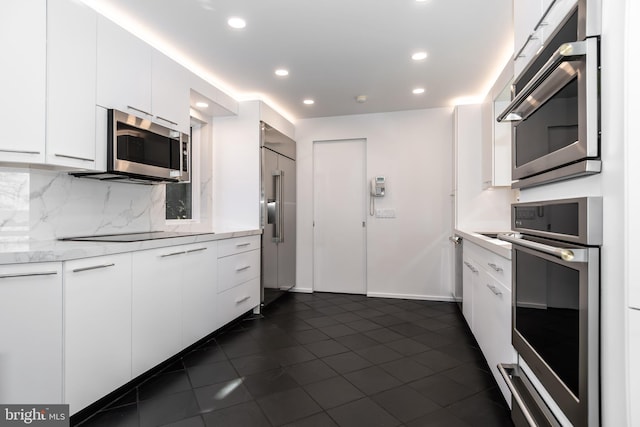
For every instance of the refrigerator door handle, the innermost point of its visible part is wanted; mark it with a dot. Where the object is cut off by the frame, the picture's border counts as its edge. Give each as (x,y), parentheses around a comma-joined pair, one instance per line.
(278,235)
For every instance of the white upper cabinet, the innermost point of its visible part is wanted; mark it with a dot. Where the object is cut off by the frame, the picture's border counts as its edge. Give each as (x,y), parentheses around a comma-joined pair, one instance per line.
(496,137)
(526,14)
(135,78)
(170,92)
(534,21)
(22,85)
(124,70)
(527,38)
(71,85)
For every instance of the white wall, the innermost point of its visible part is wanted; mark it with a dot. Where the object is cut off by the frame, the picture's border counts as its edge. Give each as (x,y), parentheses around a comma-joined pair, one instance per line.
(408,256)
(632,155)
(236,174)
(236,164)
(477,209)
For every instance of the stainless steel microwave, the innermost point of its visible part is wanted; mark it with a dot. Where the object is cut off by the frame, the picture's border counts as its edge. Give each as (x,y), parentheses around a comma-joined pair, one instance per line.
(555,111)
(141,151)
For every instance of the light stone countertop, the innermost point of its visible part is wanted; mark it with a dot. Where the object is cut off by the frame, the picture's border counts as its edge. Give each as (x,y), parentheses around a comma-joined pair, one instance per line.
(16,251)
(499,247)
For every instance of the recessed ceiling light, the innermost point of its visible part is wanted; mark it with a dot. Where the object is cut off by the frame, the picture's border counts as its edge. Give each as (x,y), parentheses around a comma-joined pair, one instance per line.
(418,91)
(201,104)
(309,101)
(282,72)
(236,22)
(419,56)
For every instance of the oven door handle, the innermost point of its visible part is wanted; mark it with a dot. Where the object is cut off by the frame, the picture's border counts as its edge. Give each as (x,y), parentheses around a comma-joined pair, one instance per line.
(569,255)
(559,69)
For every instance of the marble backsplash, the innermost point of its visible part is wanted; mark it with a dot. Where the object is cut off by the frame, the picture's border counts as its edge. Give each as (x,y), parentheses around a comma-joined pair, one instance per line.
(46,205)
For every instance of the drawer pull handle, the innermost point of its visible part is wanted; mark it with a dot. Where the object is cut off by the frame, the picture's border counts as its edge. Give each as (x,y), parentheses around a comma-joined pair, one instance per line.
(495,267)
(139,110)
(196,250)
(44,273)
(66,156)
(246,267)
(172,254)
(240,245)
(19,151)
(167,120)
(471,267)
(494,290)
(243,299)
(94,267)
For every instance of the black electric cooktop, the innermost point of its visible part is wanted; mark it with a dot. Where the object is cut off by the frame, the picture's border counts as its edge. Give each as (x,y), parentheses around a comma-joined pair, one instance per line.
(133,237)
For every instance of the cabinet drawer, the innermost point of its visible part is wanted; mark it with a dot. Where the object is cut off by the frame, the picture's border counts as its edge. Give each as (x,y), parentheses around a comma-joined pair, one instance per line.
(237,301)
(236,269)
(493,326)
(497,266)
(237,245)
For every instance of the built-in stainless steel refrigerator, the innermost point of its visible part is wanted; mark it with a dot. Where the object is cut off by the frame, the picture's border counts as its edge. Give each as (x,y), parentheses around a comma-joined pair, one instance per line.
(278,213)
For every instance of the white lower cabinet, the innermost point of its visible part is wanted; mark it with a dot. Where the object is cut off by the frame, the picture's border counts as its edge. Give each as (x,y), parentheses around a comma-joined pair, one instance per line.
(199,292)
(238,269)
(487,306)
(97,327)
(470,275)
(238,277)
(80,329)
(156,306)
(31,333)
(174,301)
(493,325)
(238,300)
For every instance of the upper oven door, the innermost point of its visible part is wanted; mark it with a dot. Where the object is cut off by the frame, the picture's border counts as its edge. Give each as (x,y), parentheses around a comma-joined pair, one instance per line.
(555,114)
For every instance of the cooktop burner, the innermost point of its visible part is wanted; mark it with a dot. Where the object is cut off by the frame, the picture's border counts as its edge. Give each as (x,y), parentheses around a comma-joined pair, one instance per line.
(133,237)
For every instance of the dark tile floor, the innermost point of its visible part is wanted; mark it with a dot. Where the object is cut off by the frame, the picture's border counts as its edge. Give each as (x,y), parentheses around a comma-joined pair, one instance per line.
(325,360)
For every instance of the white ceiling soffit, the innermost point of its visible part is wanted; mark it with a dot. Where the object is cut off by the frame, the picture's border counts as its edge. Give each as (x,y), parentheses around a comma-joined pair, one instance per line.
(335,50)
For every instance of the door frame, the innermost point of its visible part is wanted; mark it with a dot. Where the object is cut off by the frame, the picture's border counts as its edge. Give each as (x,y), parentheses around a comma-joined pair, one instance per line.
(365,217)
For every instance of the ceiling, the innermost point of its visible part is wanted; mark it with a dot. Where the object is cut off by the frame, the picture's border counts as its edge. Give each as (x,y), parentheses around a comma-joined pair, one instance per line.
(335,50)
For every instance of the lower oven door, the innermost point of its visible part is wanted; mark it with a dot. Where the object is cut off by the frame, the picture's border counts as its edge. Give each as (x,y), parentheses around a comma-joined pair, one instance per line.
(556,321)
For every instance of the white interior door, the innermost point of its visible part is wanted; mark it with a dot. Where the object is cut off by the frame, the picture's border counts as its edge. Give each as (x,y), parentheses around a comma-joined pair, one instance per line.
(339,202)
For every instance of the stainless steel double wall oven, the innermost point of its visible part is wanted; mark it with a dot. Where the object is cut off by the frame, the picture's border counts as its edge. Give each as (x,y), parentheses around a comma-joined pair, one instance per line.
(555,116)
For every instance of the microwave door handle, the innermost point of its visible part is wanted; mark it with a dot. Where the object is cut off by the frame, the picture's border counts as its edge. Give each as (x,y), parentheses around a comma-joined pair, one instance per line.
(567,52)
(569,255)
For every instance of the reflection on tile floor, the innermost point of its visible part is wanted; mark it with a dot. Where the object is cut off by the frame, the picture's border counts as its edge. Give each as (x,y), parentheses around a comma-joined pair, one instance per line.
(325,360)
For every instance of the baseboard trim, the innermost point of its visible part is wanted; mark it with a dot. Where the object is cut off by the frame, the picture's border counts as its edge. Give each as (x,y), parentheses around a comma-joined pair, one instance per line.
(302,290)
(410,296)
